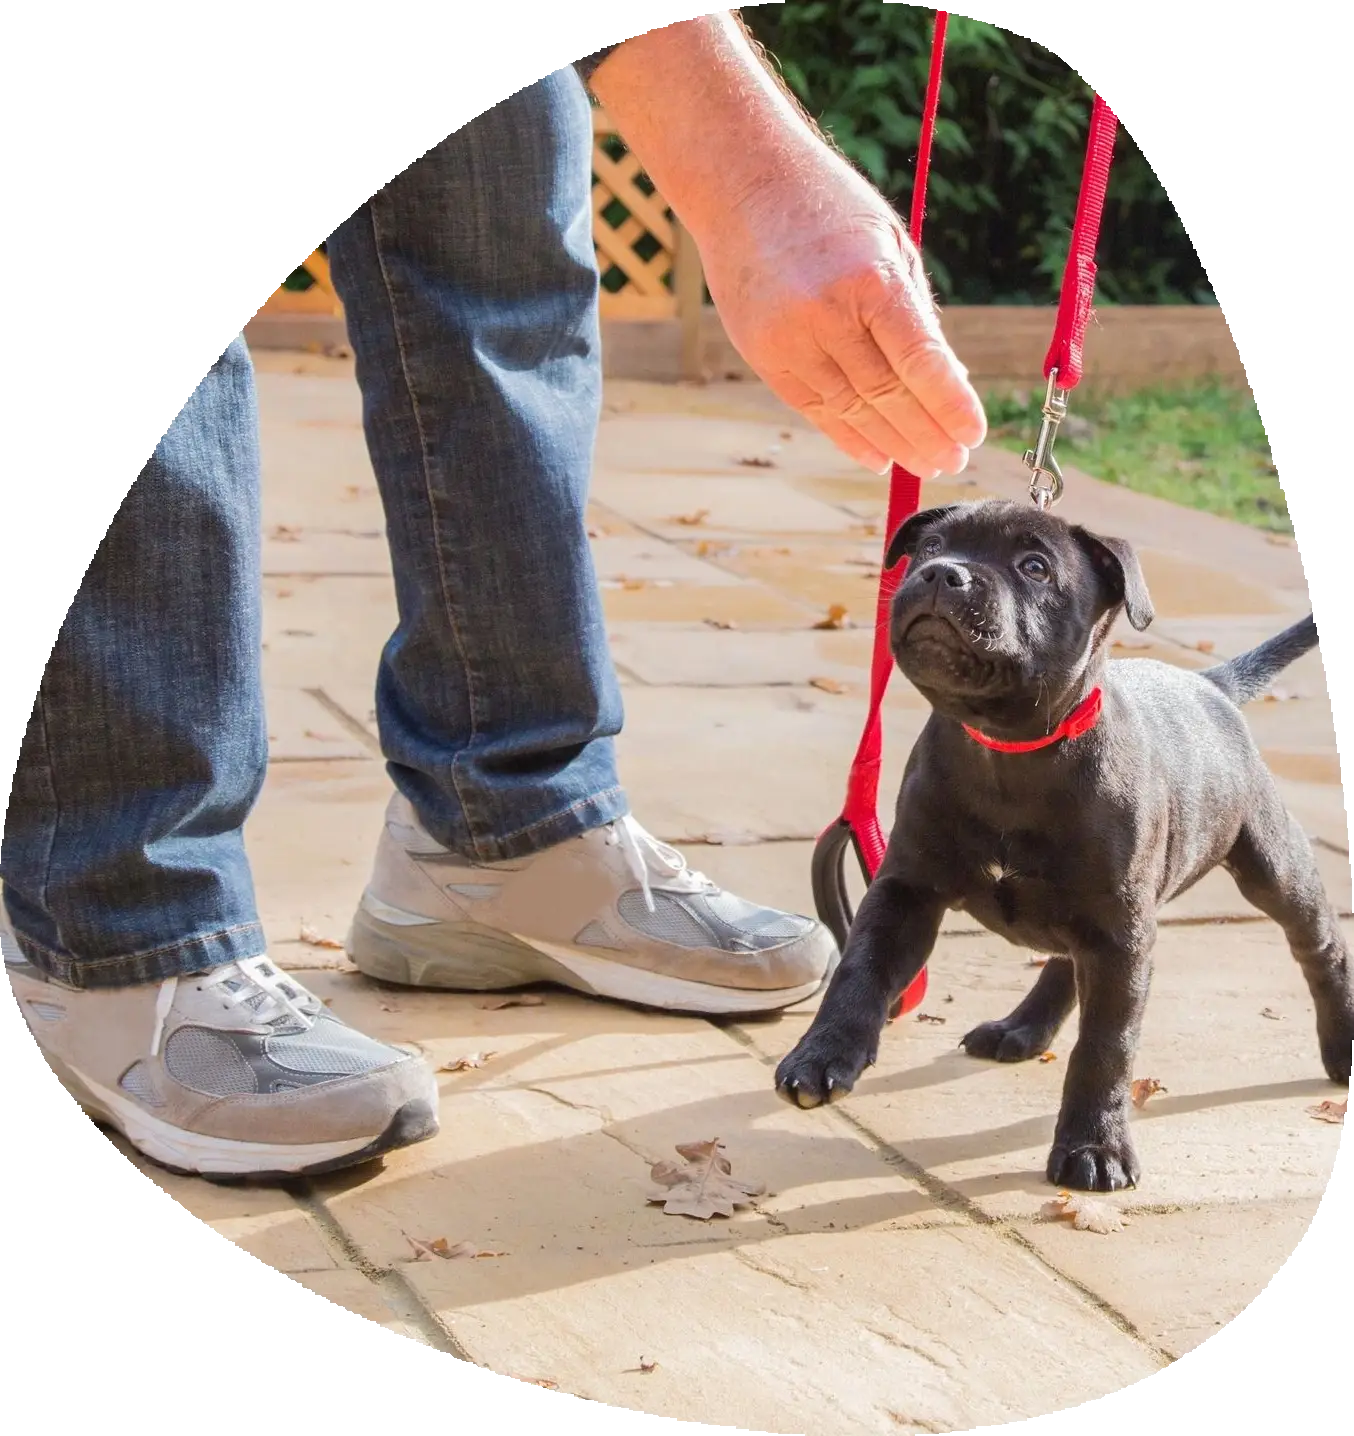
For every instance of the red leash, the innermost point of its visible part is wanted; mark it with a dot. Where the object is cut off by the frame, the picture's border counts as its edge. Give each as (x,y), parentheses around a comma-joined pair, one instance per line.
(1062,364)
(858,826)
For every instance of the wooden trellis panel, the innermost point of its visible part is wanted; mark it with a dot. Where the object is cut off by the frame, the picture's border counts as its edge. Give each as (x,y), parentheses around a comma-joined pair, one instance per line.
(645,289)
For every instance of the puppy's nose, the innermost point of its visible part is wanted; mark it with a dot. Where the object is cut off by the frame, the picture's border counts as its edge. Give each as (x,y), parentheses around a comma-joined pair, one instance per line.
(952,575)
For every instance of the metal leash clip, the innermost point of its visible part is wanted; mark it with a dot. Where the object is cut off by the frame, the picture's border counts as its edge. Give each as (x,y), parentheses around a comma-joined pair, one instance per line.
(1039,460)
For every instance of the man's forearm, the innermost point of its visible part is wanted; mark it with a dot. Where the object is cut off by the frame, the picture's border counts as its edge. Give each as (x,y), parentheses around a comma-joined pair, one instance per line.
(689,98)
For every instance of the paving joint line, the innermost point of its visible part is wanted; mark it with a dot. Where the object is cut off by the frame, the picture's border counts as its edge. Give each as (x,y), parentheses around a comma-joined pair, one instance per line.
(947,1197)
(398,1293)
(712,559)
(340,714)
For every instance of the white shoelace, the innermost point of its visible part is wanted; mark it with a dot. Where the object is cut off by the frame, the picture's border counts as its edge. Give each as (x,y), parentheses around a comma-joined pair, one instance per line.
(260,986)
(646,856)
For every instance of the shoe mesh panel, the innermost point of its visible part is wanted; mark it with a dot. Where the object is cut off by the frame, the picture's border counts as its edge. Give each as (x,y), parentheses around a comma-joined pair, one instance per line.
(718,920)
(752,918)
(670,921)
(139,1081)
(328,1049)
(208,1062)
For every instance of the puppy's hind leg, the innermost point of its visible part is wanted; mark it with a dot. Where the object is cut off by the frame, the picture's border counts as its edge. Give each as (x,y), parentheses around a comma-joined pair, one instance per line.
(1275,869)
(1034,1024)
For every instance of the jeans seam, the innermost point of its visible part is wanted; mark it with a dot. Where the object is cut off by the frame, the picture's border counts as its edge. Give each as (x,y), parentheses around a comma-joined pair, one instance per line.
(133,957)
(56,802)
(443,587)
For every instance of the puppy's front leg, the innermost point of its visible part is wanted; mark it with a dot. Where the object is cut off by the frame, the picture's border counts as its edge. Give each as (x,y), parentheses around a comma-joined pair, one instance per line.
(1092,1148)
(890,940)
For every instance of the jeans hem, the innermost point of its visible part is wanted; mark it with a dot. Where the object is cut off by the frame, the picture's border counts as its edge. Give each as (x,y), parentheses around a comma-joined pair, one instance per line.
(180,959)
(580,817)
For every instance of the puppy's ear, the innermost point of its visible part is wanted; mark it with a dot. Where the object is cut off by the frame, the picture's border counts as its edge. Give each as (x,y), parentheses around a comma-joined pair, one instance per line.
(904,543)
(1121,573)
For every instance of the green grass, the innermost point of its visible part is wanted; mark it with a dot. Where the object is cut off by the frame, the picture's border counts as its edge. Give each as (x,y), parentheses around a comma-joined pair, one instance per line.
(1200,444)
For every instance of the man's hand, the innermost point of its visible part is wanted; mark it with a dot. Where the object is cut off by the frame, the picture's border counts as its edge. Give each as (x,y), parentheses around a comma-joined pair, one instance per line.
(821,291)
(812,272)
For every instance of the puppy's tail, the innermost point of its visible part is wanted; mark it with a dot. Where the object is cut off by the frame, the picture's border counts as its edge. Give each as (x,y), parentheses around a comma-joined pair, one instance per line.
(1248,675)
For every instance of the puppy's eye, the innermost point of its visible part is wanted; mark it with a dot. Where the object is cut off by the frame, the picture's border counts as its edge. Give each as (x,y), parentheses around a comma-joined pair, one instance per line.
(1032,566)
(928,548)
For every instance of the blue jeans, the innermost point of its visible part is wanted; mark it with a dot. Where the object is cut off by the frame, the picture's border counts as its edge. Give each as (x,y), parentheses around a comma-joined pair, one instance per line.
(470,288)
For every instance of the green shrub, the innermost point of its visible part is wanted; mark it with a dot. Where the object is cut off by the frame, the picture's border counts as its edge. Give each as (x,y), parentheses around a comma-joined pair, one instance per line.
(1007,161)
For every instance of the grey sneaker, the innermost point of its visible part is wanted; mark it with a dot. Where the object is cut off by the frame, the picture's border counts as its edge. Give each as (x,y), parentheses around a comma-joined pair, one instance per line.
(237,1072)
(612,912)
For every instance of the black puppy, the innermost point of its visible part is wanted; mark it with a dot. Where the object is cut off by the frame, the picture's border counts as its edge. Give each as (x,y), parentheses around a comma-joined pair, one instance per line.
(1061,799)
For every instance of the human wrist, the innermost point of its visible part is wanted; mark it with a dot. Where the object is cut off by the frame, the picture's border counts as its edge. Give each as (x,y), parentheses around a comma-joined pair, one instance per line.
(709,122)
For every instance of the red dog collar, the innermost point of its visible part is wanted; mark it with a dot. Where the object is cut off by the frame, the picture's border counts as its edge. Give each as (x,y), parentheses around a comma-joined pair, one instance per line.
(1080,720)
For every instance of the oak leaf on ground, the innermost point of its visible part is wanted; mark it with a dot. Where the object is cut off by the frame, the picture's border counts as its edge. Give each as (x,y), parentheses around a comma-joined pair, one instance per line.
(702,1184)
(1085,1213)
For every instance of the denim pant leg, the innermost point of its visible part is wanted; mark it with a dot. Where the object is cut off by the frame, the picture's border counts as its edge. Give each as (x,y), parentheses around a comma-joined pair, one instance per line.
(470,287)
(122,855)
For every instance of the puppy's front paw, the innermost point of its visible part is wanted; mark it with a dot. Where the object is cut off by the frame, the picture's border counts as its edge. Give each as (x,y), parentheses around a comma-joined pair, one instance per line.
(1094,1166)
(1002,1041)
(824,1068)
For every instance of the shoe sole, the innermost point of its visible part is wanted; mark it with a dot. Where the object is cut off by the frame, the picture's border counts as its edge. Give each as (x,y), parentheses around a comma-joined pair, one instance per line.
(467,957)
(218,1159)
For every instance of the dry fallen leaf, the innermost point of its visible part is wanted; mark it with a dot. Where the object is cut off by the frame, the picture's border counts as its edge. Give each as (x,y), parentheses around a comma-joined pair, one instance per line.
(284,533)
(539,1381)
(1205,645)
(439,1247)
(721,623)
(701,1185)
(317,939)
(1279,540)
(931,1017)
(692,521)
(757,461)
(461,1064)
(836,618)
(1271,1014)
(513,999)
(646,1366)
(283,593)
(426,1251)
(1048,1056)
(1128,645)
(1330,1112)
(1037,961)
(827,685)
(1143,1089)
(1085,1213)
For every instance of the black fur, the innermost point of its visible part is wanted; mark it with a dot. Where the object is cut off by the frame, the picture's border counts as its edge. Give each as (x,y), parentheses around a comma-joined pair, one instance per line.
(1002,623)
